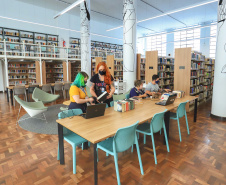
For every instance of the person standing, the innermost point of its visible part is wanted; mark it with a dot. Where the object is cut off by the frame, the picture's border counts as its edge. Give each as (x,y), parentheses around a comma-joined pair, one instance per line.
(78,94)
(102,81)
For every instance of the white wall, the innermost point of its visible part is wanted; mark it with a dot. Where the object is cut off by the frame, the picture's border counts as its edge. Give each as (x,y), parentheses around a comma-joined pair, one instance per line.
(43,15)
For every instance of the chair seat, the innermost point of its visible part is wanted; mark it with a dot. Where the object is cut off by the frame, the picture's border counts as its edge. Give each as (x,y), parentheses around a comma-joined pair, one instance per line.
(144,128)
(173,115)
(74,138)
(106,145)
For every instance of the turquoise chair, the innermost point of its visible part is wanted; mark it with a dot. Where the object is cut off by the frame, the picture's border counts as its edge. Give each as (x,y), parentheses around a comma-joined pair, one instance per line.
(181,112)
(69,136)
(127,94)
(122,141)
(157,123)
(119,97)
(88,91)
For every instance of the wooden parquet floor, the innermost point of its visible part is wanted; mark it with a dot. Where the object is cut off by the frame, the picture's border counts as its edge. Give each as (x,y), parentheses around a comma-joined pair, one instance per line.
(28,158)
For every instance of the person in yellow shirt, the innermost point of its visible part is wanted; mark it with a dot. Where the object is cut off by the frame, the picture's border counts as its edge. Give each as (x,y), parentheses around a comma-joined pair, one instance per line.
(78,94)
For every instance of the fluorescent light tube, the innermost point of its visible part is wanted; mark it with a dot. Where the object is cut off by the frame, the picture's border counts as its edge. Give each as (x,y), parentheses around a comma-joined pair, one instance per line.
(68,8)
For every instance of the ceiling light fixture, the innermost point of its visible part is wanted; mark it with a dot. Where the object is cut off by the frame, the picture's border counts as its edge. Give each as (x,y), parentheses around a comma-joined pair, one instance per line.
(68,8)
(171,12)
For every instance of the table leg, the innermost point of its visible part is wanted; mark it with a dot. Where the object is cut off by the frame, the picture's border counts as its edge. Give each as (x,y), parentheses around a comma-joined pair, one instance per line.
(195,110)
(61,143)
(11,96)
(95,164)
(167,124)
(7,93)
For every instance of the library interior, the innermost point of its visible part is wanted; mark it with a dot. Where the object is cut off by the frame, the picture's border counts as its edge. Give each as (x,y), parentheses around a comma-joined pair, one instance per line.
(113,92)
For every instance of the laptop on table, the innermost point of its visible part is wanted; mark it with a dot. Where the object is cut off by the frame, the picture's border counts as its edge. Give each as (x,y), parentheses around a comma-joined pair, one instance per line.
(93,111)
(169,101)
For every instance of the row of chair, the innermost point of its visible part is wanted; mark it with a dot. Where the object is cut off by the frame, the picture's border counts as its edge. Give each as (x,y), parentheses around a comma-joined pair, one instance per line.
(58,87)
(125,137)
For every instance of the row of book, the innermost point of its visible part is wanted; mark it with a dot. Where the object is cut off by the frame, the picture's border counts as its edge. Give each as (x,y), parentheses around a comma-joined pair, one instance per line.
(124,105)
(32,76)
(118,73)
(201,96)
(11,40)
(163,60)
(210,61)
(196,89)
(208,68)
(58,76)
(27,35)
(31,65)
(197,56)
(10,65)
(17,77)
(118,62)
(119,68)
(11,33)
(166,82)
(17,71)
(18,82)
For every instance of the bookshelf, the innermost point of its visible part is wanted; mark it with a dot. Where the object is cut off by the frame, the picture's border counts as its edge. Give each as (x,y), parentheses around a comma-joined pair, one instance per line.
(163,66)
(208,78)
(189,74)
(74,42)
(140,68)
(16,35)
(75,69)
(22,72)
(55,71)
(118,69)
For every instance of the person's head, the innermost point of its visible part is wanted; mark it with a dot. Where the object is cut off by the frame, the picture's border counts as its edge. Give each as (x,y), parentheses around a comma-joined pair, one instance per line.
(138,84)
(102,69)
(81,79)
(155,79)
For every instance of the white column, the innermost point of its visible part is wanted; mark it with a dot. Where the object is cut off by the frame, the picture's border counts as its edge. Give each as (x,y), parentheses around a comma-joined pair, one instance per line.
(85,37)
(219,87)
(129,42)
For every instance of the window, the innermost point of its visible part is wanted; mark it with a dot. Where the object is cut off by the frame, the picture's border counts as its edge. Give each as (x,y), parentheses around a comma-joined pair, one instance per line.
(140,46)
(213,40)
(157,42)
(187,38)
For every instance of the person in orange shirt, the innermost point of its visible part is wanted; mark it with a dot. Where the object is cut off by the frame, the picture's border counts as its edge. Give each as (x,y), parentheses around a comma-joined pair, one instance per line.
(78,94)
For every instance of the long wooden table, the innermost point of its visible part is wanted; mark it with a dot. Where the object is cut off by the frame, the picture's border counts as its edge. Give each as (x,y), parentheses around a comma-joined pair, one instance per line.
(98,129)
(9,90)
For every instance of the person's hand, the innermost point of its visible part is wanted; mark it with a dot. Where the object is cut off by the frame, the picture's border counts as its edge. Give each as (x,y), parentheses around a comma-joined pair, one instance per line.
(144,95)
(91,100)
(109,96)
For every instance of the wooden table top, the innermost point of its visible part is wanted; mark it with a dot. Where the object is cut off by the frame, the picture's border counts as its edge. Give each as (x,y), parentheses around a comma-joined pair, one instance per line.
(26,86)
(100,128)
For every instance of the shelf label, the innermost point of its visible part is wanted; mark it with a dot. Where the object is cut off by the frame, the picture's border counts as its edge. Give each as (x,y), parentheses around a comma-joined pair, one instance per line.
(150,67)
(181,67)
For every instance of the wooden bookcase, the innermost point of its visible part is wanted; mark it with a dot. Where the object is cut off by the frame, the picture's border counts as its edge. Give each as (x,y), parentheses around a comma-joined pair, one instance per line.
(162,66)
(140,68)
(189,74)
(55,71)
(151,65)
(208,78)
(95,62)
(23,72)
(110,64)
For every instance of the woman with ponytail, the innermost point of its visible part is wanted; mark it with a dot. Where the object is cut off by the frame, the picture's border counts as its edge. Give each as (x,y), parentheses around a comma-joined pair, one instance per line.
(78,94)
(102,81)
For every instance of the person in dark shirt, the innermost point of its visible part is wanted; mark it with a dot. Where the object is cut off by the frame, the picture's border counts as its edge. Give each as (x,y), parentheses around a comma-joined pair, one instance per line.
(137,91)
(102,81)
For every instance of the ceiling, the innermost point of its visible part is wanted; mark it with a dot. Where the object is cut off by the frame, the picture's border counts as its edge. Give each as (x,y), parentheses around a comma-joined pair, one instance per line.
(109,12)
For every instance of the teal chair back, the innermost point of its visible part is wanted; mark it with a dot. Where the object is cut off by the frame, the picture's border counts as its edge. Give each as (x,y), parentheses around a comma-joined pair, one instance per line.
(181,111)
(68,113)
(124,138)
(112,103)
(127,96)
(157,121)
(119,97)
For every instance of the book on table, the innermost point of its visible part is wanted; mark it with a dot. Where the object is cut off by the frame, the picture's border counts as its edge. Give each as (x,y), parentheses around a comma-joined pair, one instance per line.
(103,96)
